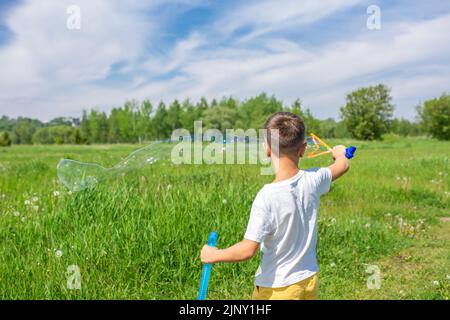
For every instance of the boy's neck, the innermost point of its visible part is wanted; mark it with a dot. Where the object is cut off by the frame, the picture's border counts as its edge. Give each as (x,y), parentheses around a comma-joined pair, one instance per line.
(287,168)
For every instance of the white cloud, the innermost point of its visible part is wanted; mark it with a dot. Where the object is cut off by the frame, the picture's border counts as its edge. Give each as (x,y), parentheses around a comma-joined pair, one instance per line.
(49,71)
(267,16)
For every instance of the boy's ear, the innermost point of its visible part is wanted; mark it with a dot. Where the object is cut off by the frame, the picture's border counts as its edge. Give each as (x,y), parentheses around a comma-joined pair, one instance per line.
(268,151)
(302,150)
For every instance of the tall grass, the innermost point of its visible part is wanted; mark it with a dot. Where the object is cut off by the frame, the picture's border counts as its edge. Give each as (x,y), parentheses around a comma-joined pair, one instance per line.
(139,236)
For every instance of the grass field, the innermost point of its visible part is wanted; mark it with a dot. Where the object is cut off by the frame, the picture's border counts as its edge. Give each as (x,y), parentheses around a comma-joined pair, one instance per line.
(139,236)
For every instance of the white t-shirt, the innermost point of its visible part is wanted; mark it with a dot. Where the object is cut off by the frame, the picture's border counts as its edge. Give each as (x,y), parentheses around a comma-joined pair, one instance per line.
(283,219)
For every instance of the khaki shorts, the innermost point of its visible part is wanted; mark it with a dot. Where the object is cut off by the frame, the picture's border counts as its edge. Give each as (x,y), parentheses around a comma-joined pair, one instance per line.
(302,290)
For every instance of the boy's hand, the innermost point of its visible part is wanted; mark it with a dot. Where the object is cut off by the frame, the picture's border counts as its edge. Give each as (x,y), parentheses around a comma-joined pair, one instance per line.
(208,254)
(338,151)
(341,164)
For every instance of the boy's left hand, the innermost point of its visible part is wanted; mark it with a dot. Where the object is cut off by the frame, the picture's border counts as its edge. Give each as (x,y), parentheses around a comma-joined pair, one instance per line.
(208,254)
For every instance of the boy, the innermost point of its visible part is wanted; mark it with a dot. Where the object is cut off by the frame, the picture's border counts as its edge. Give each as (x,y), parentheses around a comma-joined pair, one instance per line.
(283,218)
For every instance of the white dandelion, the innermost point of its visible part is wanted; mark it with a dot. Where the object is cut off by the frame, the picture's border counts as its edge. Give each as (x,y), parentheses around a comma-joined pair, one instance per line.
(35,199)
(56,193)
(224,201)
(16,213)
(27,202)
(58,253)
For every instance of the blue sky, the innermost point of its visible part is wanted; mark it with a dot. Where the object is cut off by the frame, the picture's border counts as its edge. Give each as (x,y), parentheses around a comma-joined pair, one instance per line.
(317,51)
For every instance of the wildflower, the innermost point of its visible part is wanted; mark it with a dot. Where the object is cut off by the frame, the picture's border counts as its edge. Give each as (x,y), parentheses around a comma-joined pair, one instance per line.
(333,265)
(23,219)
(448,277)
(58,253)
(69,192)
(56,193)
(367,225)
(27,202)
(435,282)
(16,213)
(224,201)
(35,199)
(333,220)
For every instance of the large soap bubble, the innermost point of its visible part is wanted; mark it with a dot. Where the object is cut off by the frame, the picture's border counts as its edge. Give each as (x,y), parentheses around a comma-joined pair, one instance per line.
(77,175)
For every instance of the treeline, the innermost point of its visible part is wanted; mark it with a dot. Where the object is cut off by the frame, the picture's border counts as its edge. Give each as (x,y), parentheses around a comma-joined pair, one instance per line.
(366,115)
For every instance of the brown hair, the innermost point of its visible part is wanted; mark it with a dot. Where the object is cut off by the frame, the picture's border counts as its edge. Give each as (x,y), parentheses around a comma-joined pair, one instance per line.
(291,131)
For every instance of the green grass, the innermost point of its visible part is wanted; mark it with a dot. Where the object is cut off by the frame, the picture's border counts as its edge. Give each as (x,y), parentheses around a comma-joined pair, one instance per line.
(139,236)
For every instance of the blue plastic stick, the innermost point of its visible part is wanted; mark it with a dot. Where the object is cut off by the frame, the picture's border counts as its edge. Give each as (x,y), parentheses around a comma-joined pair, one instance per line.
(212,241)
(350,152)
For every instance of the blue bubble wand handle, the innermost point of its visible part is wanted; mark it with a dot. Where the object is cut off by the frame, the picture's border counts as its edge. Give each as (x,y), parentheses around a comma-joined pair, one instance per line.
(206,272)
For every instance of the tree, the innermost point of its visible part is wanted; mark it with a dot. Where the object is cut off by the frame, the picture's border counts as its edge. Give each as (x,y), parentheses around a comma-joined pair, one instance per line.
(174,114)
(144,121)
(368,112)
(253,112)
(76,137)
(98,126)
(61,134)
(435,117)
(404,127)
(85,132)
(5,140)
(24,129)
(161,125)
(219,117)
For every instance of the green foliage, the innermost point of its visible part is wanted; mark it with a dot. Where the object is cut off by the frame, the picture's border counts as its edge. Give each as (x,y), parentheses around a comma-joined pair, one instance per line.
(368,112)
(61,134)
(367,115)
(435,116)
(24,130)
(405,128)
(5,140)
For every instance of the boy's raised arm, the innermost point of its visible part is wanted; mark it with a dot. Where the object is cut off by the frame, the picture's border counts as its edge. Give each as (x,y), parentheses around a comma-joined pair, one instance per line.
(341,163)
